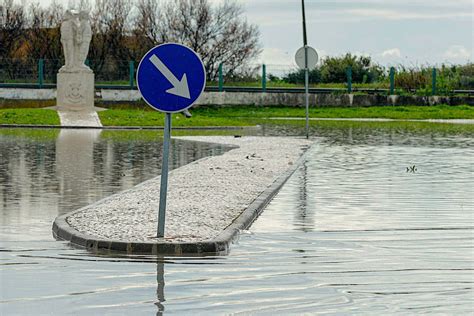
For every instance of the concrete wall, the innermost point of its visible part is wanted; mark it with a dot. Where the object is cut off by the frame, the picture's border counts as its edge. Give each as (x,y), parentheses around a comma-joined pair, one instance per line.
(250,98)
(27,94)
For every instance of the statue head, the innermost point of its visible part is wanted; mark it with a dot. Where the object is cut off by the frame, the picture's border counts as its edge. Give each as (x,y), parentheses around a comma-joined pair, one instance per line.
(68,15)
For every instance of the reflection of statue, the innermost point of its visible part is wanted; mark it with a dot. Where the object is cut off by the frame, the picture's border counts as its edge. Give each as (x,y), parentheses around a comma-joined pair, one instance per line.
(76,35)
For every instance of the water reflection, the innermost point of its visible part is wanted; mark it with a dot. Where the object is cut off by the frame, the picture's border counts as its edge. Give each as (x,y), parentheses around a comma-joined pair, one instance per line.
(350,233)
(75,167)
(45,173)
(160,290)
(304,217)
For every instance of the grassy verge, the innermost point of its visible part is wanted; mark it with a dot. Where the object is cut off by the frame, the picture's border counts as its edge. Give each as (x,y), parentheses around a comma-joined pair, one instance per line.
(392,112)
(29,116)
(247,115)
(153,118)
(240,115)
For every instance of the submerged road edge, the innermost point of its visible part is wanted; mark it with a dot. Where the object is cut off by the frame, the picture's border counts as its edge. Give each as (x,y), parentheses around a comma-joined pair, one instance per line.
(219,245)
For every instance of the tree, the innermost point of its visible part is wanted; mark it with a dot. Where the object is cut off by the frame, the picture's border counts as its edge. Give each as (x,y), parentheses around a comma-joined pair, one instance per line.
(42,33)
(12,24)
(124,30)
(145,28)
(110,28)
(219,33)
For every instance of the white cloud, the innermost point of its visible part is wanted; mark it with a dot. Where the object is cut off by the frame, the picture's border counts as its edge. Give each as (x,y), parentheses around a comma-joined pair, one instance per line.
(276,56)
(405,14)
(392,53)
(457,52)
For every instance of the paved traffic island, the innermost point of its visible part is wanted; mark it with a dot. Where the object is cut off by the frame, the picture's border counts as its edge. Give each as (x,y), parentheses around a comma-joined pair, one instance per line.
(208,201)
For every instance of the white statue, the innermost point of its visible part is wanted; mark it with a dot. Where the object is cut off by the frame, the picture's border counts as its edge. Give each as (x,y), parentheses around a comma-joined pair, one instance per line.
(76,35)
(67,39)
(84,36)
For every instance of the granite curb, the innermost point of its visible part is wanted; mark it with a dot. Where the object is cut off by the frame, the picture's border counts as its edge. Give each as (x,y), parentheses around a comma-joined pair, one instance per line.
(219,245)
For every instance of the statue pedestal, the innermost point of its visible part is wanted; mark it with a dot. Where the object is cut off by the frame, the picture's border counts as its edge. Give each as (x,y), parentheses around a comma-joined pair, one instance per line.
(75,91)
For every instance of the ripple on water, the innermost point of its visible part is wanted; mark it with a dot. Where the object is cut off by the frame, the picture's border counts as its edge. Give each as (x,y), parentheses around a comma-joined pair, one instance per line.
(352,232)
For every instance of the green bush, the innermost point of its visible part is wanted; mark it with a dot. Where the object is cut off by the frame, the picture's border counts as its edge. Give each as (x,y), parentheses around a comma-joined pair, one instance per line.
(297,77)
(334,69)
(412,79)
(466,76)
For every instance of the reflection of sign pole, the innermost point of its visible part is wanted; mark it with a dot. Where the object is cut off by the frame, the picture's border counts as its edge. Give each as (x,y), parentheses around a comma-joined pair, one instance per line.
(157,80)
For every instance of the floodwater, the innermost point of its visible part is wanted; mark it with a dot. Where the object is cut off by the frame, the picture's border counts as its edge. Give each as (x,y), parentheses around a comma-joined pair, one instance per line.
(376,220)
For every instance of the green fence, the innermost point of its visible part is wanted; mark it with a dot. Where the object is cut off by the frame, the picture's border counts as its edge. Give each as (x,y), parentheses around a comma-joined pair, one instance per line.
(429,81)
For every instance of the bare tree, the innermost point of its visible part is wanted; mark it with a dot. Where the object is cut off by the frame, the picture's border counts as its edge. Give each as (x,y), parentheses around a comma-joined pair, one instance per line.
(12,24)
(220,33)
(80,5)
(145,26)
(125,29)
(110,25)
(43,31)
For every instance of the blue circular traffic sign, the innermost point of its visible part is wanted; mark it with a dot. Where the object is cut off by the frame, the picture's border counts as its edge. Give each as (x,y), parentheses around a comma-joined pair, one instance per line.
(171,77)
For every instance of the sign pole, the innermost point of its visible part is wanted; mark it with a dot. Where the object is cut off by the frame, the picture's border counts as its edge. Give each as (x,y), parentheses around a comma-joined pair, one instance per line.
(170,78)
(306,70)
(164,176)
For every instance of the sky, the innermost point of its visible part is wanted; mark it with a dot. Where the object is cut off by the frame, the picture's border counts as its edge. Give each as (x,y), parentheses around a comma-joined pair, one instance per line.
(392,32)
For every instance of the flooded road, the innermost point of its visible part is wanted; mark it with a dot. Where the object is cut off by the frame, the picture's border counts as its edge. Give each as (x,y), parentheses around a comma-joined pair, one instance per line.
(375,221)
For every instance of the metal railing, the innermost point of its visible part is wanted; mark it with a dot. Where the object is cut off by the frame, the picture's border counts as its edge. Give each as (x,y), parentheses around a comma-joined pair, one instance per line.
(41,74)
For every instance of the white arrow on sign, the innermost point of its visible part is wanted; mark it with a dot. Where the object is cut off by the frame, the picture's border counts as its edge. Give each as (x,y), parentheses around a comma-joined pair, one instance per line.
(180,87)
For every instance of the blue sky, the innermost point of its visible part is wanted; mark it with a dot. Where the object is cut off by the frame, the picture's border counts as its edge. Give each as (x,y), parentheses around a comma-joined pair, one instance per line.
(392,32)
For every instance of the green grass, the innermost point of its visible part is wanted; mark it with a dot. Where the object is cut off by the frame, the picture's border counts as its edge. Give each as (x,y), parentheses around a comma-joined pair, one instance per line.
(240,115)
(29,116)
(147,117)
(391,112)
(251,115)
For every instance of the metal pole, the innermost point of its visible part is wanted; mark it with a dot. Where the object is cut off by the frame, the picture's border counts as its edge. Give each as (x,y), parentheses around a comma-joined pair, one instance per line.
(392,80)
(349,79)
(164,176)
(305,40)
(131,71)
(264,78)
(221,79)
(40,72)
(306,71)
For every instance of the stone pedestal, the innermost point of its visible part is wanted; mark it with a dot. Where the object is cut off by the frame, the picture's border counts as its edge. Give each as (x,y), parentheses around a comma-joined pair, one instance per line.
(75,91)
